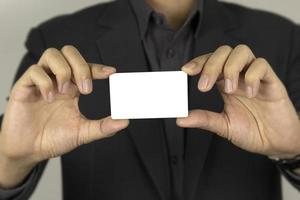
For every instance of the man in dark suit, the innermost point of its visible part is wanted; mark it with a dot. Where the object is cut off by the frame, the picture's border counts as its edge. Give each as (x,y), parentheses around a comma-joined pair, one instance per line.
(244,86)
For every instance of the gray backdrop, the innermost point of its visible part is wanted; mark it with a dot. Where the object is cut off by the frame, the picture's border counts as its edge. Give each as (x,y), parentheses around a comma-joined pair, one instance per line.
(17,17)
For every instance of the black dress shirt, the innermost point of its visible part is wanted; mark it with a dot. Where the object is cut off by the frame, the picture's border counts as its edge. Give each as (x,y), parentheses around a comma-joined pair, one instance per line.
(168,50)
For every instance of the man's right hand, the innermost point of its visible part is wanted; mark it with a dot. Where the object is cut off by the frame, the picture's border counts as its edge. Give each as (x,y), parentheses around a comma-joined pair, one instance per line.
(42,119)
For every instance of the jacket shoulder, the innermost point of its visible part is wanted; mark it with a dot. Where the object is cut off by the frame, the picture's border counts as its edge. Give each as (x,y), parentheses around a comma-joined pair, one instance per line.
(267,32)
(255,17)
(269,35)
(79,18)
(74,28)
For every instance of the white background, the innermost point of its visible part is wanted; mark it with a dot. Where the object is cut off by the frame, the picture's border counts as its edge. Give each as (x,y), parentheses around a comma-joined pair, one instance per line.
(18,16)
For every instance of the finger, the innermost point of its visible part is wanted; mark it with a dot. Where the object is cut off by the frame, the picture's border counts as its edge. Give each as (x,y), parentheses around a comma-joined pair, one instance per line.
(240,91)
(54,62)
(37,77)
(213,68)
(259,70)
(240,58)
(207,120)
(101,71)
(80,69)
(195,66)
(92,130)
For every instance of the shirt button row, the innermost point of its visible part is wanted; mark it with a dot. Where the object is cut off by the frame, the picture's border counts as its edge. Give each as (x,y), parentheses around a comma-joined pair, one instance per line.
(158,20)
(174,160)
(170,53)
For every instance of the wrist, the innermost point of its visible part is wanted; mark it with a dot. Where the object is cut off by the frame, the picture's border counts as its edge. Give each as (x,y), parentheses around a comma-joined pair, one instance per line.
(287,155)
(290,164)
(13,172)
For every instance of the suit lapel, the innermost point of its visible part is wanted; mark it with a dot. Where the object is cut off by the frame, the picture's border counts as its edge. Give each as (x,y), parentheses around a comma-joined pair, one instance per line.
(120,45)
(212,35)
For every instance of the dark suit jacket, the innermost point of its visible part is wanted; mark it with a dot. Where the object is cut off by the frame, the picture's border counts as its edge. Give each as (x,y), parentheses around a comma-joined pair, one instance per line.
(133,165)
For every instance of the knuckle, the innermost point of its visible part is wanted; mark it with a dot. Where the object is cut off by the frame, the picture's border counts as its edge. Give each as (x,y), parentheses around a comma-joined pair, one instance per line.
(211,74)
(211,65)
(68,48)
(46,84)
(230,75)
(204,56)
(34,71)
(84,69)
(206,120)
(243,48)
(214,64)
(199,59)
(49,54)
(101,66)
(230,69)
(212,70)
(64,73)
(225,48)
(84,66)
(33,68)
(251,77)
(50,51)
(261,61)
(97,69)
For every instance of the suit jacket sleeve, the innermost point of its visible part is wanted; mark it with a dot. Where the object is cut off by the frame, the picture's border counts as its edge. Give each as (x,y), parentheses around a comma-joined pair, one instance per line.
(293,87)
(293,74)
(35,47)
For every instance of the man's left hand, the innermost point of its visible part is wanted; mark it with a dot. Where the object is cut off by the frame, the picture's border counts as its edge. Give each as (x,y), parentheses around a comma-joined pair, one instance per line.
(258,114)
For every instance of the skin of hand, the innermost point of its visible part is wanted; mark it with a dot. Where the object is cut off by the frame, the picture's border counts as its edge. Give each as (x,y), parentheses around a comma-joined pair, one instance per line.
(42,119)
(258,114)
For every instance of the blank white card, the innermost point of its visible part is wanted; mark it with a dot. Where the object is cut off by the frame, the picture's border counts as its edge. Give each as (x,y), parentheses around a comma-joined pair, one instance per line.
(142,95)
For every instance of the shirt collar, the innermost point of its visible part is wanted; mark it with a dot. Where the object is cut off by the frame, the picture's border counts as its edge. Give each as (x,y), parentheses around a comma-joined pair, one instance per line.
(143,13)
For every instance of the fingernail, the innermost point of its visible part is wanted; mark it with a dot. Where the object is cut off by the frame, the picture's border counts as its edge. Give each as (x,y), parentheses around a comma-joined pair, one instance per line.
(203,82)
(87,85)
(65,87)
(249,92)
(50,97)
(189,66)
(228,86)
(109,69)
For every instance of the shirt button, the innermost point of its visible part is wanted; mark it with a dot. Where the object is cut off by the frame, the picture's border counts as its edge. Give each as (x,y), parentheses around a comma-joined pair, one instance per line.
(158,20)
(170,53)
(174,160)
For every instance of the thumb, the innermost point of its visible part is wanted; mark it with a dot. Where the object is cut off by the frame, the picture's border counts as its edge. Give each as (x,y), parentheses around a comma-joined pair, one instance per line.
(92,130)
(207,120)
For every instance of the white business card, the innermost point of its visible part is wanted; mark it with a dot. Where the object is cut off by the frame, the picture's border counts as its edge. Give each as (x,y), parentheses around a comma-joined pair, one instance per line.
(142,95)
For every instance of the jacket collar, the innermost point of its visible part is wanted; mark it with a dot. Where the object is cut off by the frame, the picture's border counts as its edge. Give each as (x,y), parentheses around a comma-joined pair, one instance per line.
(143,12)
(213,15)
